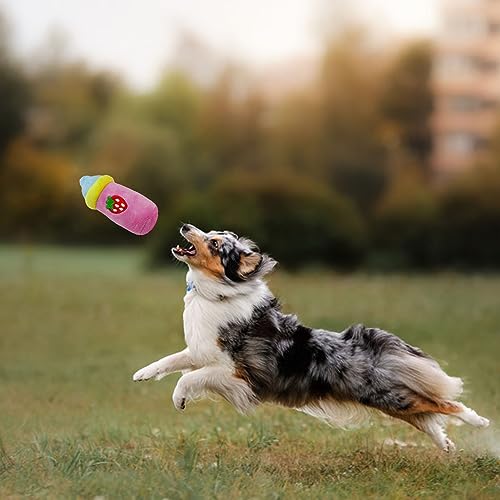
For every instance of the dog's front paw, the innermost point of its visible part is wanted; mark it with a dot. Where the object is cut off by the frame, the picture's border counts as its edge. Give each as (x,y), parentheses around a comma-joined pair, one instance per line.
(180,404)
(179,400)
(449,446)
(483,422)
(148,372)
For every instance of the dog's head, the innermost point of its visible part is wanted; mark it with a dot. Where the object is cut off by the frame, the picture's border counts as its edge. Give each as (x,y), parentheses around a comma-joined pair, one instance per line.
(222,255)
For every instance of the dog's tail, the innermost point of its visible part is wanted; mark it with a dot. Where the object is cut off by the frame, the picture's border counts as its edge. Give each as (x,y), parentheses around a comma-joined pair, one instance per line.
(424,376)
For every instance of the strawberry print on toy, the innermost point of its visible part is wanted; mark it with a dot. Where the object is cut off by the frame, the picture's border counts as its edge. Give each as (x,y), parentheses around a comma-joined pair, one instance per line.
(116,204)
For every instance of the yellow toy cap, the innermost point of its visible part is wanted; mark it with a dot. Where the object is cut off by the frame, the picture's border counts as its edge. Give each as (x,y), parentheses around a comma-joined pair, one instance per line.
(92,186)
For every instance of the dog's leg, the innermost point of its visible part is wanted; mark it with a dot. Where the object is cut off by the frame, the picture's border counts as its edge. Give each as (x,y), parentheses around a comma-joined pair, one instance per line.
(429,417)
(433,424)
(452,408)
(469,416)
(218,380)
(169,364)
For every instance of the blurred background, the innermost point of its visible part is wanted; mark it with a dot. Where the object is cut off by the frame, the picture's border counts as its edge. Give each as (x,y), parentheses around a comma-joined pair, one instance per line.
(348,134)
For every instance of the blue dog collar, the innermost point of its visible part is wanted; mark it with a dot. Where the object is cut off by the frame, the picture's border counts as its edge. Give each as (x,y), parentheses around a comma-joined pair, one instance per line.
(190,286)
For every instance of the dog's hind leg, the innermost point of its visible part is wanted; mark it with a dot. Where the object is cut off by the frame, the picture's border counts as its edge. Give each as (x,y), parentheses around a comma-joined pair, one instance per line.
(452,408)
(469,416)
(433,425)
(429,417)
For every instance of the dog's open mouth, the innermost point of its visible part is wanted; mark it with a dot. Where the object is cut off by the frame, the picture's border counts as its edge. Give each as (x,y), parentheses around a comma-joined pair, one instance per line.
(190,251)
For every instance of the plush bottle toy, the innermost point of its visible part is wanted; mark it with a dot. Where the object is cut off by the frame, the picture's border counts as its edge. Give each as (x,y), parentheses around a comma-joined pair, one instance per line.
(125,207)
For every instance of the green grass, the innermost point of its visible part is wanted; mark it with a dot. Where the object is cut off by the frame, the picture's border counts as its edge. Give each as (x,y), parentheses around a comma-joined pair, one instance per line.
(75,325)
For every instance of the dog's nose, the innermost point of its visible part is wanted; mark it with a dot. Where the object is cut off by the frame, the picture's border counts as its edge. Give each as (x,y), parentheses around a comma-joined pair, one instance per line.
(186,228)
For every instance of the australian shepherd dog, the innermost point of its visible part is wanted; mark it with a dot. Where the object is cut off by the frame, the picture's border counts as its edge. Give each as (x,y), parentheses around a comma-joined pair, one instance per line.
(241,346)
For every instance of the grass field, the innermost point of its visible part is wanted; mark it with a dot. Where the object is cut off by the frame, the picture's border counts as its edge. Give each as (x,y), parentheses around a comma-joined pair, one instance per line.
(75,325)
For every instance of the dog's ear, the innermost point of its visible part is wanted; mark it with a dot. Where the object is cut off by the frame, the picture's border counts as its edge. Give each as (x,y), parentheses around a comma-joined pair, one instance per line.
(255,264)
(249,261)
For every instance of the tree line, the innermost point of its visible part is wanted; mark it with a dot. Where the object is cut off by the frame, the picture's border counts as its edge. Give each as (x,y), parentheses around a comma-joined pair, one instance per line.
(336,173)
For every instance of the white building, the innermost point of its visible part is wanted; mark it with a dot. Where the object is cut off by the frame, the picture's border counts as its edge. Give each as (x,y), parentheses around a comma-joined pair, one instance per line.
(466,83)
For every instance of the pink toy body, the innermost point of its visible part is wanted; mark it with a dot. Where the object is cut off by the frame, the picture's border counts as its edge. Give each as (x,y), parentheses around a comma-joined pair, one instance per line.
(140,215)
(124,206)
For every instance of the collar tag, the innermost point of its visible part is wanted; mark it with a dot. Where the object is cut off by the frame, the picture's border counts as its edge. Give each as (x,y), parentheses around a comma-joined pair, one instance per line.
(190,286)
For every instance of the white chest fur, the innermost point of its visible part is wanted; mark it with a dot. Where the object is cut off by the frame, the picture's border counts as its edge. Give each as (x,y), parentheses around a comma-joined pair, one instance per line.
(203,317)
(201,327)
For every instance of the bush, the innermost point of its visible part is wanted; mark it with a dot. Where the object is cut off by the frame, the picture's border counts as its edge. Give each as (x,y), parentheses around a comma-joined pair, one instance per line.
(456,227)
(469,220)
(294,219)
(405,224)
(33,190)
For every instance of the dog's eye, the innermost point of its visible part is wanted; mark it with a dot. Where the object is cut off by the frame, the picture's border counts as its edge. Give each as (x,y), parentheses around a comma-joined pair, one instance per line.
(215,243)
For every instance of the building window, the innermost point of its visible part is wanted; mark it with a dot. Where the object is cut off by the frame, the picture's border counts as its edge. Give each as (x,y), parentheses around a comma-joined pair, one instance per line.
(463,103)
(454,65)
(468,103)
(459,143)
(482,144)
(487,65)
(494,28)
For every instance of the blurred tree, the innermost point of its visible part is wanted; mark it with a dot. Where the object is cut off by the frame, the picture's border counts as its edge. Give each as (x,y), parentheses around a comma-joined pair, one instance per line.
(174,103)
(406,101)
(35,188)
(295,133)
(147,157)
(157,171)
(405,222)
(14,92)
(174,108)
(252,136)
(353,155)
(70,102)
(232,124)
(469,219)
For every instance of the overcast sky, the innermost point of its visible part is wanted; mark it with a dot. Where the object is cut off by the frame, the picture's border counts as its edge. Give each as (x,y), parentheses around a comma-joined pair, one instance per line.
(136,37)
